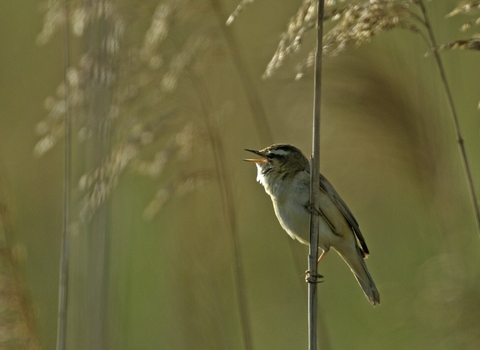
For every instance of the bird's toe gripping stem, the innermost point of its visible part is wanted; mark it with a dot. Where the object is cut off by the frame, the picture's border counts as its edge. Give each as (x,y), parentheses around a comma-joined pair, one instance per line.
(313,278)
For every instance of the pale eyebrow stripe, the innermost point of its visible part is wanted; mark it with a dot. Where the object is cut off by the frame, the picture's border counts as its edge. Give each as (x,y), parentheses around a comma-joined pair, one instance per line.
(279,152)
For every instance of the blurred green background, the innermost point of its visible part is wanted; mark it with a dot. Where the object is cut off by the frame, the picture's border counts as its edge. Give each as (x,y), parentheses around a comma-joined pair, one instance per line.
(142,278)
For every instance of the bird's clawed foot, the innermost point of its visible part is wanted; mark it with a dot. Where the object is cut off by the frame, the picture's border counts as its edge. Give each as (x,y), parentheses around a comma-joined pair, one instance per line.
(313,278)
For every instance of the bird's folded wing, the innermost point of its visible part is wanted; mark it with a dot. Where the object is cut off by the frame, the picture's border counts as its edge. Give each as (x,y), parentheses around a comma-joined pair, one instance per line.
(328,189)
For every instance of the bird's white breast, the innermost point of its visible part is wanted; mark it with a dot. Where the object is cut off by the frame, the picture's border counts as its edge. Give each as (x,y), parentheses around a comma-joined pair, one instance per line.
(290,197)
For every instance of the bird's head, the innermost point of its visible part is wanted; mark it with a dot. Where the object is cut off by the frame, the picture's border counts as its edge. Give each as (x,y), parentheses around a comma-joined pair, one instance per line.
(279,160)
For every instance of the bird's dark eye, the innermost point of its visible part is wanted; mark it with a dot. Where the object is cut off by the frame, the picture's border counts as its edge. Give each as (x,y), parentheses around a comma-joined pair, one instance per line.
(271,156)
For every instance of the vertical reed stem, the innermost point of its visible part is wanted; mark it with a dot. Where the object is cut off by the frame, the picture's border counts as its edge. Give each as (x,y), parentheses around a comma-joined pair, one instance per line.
(64,254)
(315,184)
(446,87)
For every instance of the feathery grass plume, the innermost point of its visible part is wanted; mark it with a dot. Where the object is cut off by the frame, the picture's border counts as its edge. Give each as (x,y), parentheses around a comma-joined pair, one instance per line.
(17,321)
(102,180)
(99,182)
(55,17)
(148,78)
(358,23)
(472,43)
(51,128)
(240,7)
(192,48)
(303,21)
(145,82)
(355,22)
(18,328)
(467,44)
(290,40)
(142,79)
(162,20)
(81,14)
(466,8)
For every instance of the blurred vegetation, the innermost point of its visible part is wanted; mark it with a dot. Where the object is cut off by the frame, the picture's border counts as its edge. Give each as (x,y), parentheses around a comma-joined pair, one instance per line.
(170,235)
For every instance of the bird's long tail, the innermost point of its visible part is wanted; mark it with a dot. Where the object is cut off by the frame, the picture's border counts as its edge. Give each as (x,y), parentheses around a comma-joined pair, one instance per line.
(356,262)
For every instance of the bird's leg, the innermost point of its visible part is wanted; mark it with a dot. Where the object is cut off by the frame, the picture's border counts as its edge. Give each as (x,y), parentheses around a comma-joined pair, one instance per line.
(311,278)
(321,256)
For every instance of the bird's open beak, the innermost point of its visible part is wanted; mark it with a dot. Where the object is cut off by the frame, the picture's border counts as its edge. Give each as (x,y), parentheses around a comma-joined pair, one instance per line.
(261,160)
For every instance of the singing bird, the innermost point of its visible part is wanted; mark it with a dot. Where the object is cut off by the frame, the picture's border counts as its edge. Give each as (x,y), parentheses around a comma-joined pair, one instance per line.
(284,172)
